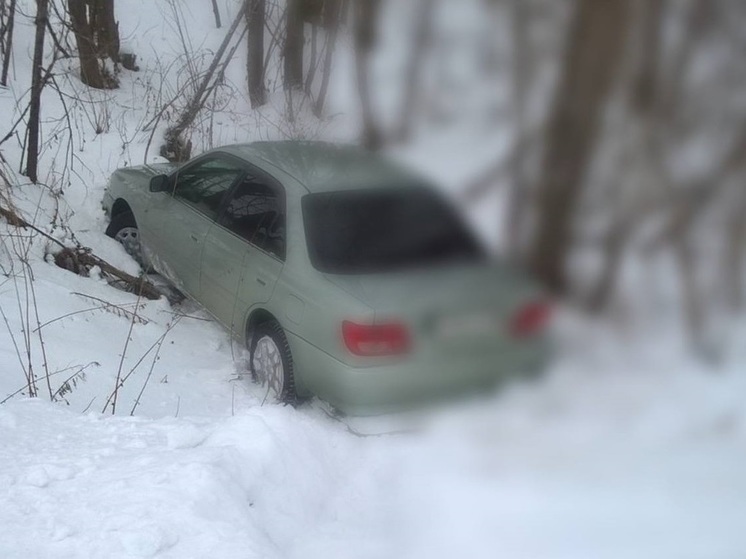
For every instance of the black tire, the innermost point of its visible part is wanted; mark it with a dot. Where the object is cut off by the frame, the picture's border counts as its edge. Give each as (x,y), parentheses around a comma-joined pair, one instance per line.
(119,222)
(272,329)
(126,221)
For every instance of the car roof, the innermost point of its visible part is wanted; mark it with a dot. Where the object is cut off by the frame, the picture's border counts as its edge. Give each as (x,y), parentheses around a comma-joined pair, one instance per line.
(325,167)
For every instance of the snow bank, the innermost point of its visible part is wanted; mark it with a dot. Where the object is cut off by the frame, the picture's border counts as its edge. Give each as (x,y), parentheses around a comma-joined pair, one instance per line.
(613,465)
(254,485)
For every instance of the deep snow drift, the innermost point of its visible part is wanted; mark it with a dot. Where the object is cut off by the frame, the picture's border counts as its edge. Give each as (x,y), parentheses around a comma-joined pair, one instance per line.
(615,465)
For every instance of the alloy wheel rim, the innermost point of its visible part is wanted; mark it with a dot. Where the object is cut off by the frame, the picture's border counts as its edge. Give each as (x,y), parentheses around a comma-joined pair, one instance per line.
(268,366)
(129,237)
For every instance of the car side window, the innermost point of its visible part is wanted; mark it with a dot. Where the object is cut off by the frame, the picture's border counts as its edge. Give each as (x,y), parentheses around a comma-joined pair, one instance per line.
(206,184)
(256,212)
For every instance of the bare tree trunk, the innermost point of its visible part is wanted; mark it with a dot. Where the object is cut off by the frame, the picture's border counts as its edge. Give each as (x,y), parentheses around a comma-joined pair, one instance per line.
(174,148)
(735,246)
(255,16)
(694,310)
(699,20)
(332,20)
(668,109)
(97,36)
(311,74)
(614,245)
(645,88)
(422,32)
(216,13)
(105,28)
(32,148)
(8,42)
(518,194)
(365,24)
(645,100)
(90,71)
(293,49)
(591,62)
(3,18)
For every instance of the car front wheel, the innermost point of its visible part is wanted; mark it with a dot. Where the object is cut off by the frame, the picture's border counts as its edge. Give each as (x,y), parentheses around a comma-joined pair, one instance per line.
(272,364)
(123,228)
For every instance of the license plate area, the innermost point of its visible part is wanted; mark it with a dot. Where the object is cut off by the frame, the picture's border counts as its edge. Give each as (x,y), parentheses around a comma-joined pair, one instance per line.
(475,325)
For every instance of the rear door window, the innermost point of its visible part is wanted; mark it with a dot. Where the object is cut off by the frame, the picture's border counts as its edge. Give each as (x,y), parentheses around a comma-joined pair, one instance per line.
(255,212)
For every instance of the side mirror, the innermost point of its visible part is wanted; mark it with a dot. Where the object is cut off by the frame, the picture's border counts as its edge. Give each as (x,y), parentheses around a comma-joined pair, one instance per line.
(159,183)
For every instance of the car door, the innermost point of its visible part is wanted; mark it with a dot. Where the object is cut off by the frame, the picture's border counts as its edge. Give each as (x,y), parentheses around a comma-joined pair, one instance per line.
(245,250)
(180,219)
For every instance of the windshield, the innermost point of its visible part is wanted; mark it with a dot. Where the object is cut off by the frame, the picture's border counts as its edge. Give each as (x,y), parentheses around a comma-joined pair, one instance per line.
(369,231)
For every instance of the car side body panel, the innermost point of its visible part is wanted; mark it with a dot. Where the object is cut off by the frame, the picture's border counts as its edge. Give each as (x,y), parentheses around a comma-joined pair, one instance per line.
(236,276)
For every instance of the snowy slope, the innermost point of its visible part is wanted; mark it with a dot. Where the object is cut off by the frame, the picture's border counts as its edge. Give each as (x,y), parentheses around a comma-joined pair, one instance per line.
(626,466)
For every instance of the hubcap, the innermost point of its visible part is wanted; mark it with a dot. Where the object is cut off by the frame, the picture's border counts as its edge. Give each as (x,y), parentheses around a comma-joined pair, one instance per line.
(267,362)
(130,239)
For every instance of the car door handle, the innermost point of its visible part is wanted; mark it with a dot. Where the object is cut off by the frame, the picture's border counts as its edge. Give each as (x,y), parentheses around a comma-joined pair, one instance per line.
(194,238)
(260,281)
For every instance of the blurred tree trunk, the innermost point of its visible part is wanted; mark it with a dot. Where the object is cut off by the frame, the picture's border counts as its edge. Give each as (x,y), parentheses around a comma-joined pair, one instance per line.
(698,22)
(255,16)
(645,87)
(365,27)
(591,62)
(97,37)
(311,73)
(668,112)
(421,37)
(333,16)
(644,104)
(684,217)
(520,74)
(694,308)
(293,49)
(37,84)
(735,246)
(7,41)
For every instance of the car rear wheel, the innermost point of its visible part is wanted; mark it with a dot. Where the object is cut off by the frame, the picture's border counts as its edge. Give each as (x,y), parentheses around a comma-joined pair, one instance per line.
(272,364)
(123,228)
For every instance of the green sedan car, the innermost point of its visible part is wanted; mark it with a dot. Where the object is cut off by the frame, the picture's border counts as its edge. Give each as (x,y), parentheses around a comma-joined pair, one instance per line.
(346,276)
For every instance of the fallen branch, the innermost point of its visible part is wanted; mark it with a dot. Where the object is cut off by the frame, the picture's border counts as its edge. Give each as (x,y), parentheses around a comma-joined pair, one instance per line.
(175,148)
(81,259)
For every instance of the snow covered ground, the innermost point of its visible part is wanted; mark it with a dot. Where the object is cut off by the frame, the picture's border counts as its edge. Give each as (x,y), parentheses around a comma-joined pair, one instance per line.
(626,448)
(616,464)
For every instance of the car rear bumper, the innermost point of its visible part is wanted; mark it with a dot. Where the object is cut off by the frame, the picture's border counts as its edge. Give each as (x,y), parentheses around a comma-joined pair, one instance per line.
(411,382)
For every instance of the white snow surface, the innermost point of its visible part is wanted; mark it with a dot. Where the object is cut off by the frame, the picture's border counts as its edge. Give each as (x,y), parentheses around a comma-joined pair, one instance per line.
(582,465)
(627,447)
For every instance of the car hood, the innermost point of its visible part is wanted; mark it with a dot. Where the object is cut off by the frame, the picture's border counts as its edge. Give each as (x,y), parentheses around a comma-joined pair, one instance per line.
(143,173)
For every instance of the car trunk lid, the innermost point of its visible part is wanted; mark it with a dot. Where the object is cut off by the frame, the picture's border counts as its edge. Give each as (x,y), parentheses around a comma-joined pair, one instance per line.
(466,307)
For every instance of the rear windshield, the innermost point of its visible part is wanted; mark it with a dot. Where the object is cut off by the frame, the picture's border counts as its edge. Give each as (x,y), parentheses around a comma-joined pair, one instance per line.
(369,231)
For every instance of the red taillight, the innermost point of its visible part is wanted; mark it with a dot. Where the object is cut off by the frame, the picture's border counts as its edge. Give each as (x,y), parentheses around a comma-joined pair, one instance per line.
(530,319)
(375,339)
